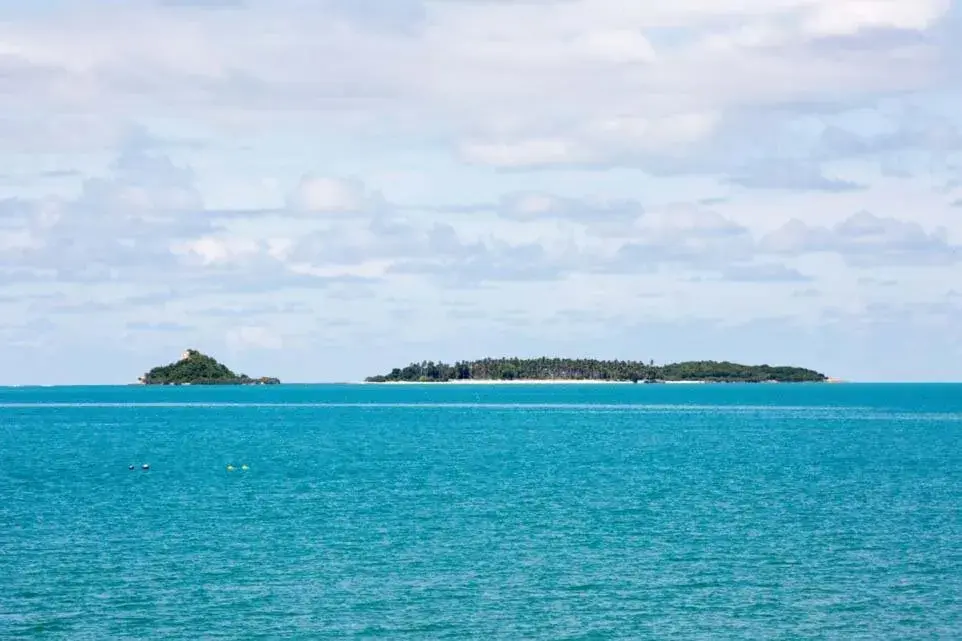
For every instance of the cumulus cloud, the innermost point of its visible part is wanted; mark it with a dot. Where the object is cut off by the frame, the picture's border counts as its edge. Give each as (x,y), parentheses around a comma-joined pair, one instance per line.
(529,153)
(687,237)
(144,223)
(591,212)
(527,84)
(913,130)
(648,159)
(865,239)
(794,176)
(606,139)
(210,250)
(325,194)
(766,273)
(491,262)
(123,221)
(849,17)
(243,338)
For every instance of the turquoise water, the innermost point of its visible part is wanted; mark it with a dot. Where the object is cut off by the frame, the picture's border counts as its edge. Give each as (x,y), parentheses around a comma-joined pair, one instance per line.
(466,512)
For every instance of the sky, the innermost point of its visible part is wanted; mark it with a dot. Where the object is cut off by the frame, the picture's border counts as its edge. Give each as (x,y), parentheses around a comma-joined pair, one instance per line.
(324,190)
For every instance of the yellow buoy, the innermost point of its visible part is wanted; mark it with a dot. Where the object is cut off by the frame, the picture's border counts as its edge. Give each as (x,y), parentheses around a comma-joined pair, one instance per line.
(230,468)
(244,467)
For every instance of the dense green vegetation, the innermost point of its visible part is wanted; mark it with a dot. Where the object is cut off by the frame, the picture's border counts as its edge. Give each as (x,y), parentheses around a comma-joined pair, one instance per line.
(590,369)
(199,369)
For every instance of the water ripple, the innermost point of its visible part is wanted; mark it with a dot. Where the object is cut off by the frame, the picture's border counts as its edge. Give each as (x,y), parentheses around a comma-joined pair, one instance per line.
(572,518)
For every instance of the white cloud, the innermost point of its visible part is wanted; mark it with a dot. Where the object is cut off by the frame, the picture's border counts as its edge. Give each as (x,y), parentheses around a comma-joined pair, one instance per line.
(523,153)
(533,205)
(656,133)
(865,239)
(616,46)
(520,83)
(847,17)
(244,338)
(634,114)
(19,239)
(325,194)
(211,250)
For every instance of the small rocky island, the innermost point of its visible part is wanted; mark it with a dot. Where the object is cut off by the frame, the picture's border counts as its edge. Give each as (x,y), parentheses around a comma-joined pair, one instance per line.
(195,368)
(582,369)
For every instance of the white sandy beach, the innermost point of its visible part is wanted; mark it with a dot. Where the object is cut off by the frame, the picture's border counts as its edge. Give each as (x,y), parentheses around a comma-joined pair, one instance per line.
(550,381)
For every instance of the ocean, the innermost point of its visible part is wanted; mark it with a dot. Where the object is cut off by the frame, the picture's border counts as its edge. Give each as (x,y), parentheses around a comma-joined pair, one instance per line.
(482,512)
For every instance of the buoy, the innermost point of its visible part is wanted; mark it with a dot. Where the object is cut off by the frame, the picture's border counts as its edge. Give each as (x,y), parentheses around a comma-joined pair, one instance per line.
(230,468)
(130,467)
(244,467)
(145,467)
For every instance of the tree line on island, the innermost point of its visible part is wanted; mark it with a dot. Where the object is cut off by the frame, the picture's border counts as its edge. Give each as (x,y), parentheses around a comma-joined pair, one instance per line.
(195,368)
(539,369)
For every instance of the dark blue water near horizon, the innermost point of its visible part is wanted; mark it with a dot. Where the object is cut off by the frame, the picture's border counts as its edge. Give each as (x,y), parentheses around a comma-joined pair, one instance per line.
(482,512)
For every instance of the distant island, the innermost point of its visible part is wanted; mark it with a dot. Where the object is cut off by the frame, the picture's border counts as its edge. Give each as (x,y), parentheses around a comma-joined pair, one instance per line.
(195,368)
(570,369)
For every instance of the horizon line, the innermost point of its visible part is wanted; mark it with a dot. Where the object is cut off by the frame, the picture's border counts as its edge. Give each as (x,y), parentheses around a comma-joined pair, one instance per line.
(479,382)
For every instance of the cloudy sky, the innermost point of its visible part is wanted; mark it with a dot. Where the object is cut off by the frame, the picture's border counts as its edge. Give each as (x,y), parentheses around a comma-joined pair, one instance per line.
(325,189)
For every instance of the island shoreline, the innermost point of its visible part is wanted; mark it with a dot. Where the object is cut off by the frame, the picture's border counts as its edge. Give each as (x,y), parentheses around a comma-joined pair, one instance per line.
(197,369)
(567,371)
(563,381)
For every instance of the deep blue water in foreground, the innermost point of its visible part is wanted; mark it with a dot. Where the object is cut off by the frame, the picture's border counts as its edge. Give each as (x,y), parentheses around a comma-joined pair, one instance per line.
(467,512)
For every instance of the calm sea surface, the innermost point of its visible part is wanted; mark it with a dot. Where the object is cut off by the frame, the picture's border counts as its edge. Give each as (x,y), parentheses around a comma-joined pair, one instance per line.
(482,512)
